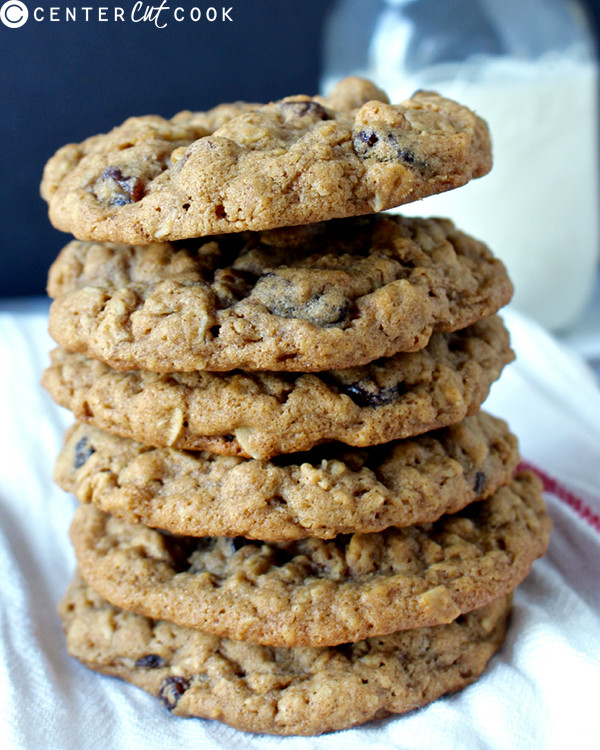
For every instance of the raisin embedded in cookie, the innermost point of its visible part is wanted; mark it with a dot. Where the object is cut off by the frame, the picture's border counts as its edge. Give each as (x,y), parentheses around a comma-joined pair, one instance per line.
(336,490)
(263,414)
(254,167)
(280,690)
(305,299)
(313,592)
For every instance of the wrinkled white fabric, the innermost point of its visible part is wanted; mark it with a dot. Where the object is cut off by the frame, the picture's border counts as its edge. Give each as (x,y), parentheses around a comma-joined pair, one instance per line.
(539,692)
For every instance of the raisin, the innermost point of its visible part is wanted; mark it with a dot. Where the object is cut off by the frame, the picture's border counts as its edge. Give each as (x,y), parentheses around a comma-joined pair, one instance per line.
(479,482)
(122,189)
(322,309)
(406,156)
(83,450)
(387,147)
(369,393)
(171,689)
(302,108)
(369,137)
(282,297)
(150,661)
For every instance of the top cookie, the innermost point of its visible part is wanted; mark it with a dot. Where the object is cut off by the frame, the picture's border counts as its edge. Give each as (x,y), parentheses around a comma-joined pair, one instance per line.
(251,167)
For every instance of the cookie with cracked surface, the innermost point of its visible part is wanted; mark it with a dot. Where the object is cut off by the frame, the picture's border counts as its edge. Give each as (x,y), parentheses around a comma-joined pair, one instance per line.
(304,299)
(314,592)
(336,490)
(254,167)
(280,690)
(262,414)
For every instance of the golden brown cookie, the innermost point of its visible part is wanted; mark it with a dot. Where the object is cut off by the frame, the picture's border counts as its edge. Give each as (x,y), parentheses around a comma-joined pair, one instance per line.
(335,294)
(252,167)
(313,592)
(262,414)
(335,490)
(280,690)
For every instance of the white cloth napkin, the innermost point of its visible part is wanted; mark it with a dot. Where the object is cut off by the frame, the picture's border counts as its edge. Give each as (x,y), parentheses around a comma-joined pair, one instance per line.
(539,692)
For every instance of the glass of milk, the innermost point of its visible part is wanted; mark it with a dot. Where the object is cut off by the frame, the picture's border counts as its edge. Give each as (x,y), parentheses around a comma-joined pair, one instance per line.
(530,69)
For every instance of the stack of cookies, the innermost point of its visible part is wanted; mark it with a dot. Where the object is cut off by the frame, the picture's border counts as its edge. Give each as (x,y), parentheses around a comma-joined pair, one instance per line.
(294,516)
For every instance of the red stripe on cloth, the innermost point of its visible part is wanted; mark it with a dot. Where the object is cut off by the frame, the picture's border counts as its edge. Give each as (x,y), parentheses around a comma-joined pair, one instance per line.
(562,493)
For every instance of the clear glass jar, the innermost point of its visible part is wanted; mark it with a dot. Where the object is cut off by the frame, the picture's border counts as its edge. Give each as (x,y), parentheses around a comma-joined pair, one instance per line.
(530,69)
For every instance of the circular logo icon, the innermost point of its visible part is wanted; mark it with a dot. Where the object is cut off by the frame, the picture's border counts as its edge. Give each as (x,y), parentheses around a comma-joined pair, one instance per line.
(13,14)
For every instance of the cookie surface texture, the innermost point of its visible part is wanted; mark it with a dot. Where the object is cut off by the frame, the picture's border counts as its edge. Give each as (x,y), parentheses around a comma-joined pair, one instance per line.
(252,167)
(280,690)
(337,490)
(262,414)
(313,298)
(314,592)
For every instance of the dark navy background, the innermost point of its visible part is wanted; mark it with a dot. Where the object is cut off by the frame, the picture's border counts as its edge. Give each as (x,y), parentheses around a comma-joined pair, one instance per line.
(61,82)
